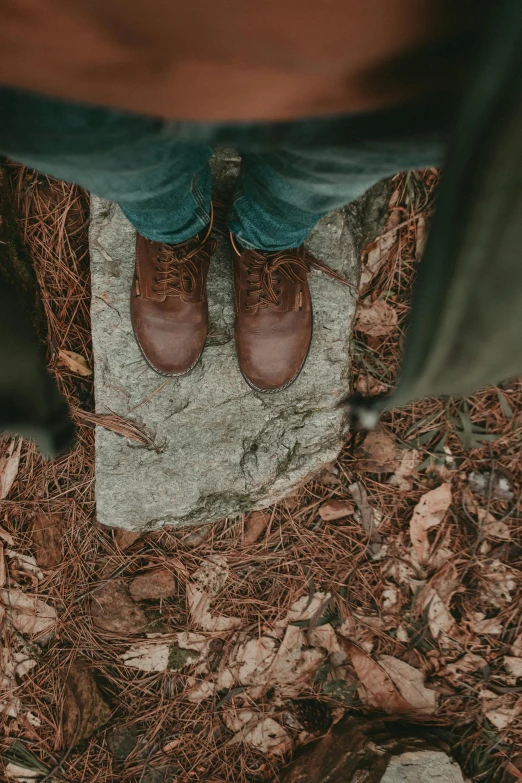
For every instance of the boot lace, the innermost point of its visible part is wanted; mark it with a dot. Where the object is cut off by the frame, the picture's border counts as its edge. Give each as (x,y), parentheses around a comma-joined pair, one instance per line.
(266,270)
(178,267)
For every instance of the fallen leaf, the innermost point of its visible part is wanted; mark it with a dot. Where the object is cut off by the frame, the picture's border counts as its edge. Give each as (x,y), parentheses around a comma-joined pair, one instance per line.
(513,666)
(157,583)
(47,536)
(410,683)
(7,537)
(378,453)
(368,385)
(75,362)
(305,608)
(479,624)
(9,463)
(377,689)
(390,598)
(376,319)
(294,666)
(499,582)
(84,709)
(24,563)
(22,774)
(370,517)
(205,584)
(488,526)
(335,509)
(503,716)
(255,525)
(265,735)
(147,657)
(172,745)
(377,252)
(407,467)
(428,512)
(112,609)
(28,614)
(125,538)
(468,663)
(440,619)
(516,647)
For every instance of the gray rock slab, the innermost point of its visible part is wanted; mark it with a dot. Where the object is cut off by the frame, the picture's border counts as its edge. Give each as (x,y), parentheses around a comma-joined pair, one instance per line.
(221,448)
(422,766)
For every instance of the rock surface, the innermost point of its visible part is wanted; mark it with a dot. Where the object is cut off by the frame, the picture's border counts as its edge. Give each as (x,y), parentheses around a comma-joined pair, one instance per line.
(422,766)
(220,447)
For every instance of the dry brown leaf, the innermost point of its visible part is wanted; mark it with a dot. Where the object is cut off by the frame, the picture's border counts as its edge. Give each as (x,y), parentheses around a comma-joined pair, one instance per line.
(84,709)
(440,619)
(428,512)
(410,683)
(22,774)
(23,563)
(479,624)
(157,583)
(513,666)
(335,509)
(47,535)
(255,525)
(9,462)
(468,663)
(262,733)
(407,466)
(378,453)
(112,609)
(376,319)
(28,614)
(368,385)
(377,689)
(499,582)
(293,667)
(377,252)
(502,716)
(75,362)
(205,584)
(487,524)
(305,608)
(148,657)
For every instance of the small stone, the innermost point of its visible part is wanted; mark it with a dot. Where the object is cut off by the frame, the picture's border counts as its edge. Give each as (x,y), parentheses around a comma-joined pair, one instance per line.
(255,525)
(378,453)
(125,538)
(121,741)
(428,766)
(113,610)
(159,583)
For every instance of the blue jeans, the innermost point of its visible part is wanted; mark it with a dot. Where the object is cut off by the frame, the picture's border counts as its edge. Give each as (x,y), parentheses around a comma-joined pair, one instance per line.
(158,171)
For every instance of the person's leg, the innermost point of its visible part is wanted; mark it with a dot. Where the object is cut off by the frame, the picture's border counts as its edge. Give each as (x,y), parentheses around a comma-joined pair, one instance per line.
(283,193)
(162,185)
(164,188)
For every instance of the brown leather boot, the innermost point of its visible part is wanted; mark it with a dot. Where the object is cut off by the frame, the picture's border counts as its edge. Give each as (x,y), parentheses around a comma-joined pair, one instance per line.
(273,314)
(169,301)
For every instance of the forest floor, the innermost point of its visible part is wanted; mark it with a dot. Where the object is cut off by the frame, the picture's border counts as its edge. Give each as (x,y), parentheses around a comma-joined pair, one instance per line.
(390,583)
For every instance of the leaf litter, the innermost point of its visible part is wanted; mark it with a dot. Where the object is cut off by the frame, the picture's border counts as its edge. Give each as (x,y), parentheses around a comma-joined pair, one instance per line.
(296,601)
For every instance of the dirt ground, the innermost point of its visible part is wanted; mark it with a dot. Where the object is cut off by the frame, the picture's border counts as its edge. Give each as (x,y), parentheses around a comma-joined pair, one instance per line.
(390,583)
